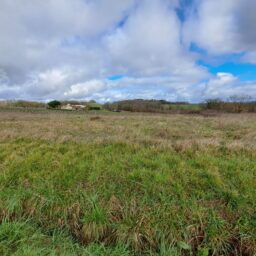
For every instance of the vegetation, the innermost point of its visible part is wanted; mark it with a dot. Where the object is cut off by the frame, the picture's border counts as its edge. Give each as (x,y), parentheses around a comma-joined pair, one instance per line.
(94,106)
(236,106)
(54,104)
(127,184)
(156,106)
(22,104)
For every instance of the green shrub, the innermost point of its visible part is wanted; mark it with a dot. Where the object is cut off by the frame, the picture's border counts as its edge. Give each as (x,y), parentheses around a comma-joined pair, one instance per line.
(94,108)
(53,104)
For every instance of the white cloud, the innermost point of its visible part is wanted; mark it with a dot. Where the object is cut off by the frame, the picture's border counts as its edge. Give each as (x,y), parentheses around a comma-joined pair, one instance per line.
(67,49)
(222,27)
(86,89)
(149,44)
(33,34)
(212,26)
(225,85)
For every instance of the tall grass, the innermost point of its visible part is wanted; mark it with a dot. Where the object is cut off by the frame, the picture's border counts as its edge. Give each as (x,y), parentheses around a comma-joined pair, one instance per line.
(125,199)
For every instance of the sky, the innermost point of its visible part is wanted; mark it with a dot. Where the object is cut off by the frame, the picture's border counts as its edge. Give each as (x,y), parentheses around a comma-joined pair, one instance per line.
(109,50)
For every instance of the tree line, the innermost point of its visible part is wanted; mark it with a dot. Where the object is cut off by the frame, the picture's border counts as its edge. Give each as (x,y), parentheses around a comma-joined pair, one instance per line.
(233,104)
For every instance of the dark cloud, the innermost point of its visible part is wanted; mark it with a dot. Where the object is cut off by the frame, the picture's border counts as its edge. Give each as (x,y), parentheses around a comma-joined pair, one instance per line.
(246,20)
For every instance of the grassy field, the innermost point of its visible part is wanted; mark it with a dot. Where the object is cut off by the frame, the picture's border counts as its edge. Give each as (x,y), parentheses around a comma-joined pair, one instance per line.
(127,184)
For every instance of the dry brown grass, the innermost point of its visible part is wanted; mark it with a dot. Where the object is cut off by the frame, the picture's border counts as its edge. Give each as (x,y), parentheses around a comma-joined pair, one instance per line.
(178,131)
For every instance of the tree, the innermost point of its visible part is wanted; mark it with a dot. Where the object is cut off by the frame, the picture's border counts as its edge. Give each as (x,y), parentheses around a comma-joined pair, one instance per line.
(241,98)
(54,104)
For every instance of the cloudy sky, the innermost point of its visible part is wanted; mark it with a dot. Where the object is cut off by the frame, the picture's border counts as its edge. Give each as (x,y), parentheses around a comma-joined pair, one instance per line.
(107,50)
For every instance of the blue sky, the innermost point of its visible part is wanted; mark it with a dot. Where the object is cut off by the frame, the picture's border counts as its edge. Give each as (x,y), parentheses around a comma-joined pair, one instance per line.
(107,50)
(245,71)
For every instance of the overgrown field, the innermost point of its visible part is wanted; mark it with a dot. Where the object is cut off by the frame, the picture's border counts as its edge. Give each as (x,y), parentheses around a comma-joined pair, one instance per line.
(127,184)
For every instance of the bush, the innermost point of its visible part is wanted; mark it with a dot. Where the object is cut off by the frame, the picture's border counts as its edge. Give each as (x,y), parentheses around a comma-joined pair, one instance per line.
(54,104)
(94,108)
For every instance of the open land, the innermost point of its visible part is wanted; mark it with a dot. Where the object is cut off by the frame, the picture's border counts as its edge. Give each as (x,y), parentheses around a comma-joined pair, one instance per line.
(103,183)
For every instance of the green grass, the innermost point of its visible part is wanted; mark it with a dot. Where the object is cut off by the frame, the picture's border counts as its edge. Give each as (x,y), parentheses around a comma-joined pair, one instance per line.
(125,199)
(187,107)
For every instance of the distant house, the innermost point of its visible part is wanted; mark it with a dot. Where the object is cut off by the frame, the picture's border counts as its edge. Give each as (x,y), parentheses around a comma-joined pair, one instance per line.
(67,107)
(73,107)
(78,107)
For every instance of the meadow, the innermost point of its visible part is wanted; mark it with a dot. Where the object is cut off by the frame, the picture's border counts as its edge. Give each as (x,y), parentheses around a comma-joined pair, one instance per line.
(103,183)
